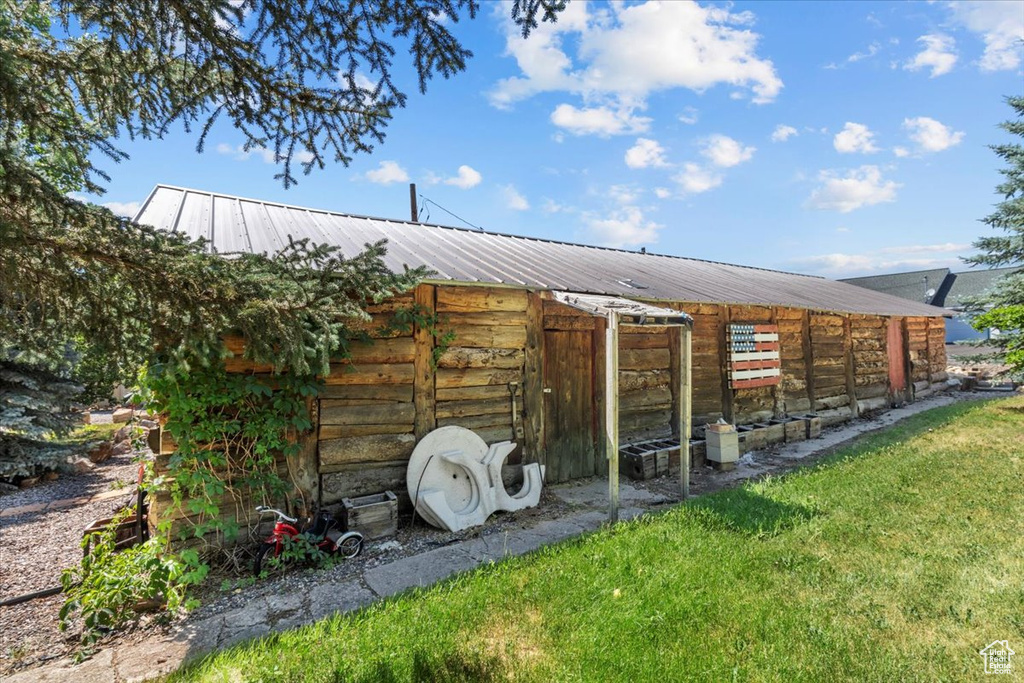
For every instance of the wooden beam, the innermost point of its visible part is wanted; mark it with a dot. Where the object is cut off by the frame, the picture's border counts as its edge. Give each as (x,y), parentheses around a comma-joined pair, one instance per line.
(600,397)
(805,333)
(611,392)
(424,372)
(685,407)
(533,382)
(675,369)
(778,397)
(728,410)
(851,381)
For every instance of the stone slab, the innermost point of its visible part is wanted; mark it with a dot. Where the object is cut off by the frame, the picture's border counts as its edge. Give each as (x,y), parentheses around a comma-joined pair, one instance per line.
(418,570)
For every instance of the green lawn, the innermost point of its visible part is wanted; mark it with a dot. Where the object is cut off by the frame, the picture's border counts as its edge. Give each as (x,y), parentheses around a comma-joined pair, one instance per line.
(895,560)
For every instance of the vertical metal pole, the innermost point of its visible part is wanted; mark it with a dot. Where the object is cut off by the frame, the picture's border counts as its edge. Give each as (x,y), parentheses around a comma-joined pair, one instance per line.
(611,403)
(685,408)
(412,203)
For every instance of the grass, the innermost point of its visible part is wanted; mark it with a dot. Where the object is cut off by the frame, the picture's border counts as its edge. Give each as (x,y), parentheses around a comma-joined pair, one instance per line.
(895,559)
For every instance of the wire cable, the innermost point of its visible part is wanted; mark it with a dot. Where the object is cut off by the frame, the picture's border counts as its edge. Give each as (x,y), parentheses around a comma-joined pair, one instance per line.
(457,217)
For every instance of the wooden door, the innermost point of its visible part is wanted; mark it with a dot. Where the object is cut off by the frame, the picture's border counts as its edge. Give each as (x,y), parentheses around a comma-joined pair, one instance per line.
(897,366)
(569,416)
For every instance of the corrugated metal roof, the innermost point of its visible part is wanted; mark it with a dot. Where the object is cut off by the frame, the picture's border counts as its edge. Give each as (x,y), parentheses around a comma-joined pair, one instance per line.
(235,224)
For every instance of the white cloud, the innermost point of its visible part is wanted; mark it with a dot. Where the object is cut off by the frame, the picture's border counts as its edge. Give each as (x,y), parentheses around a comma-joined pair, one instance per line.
(930,135)
(860,187)
(551,206)
(885,260)
(646,153)
(783,133)
(126,209)
(388,172)
(1001,27)
(239,153)
(467,177)
(939,54)
(513,199)
(695,179)
(725,152)
(901,152)
(626,52)
(623,194)
(872,50)
(600,121)
(625,227)
(662,192)
(689,116)
(854,137)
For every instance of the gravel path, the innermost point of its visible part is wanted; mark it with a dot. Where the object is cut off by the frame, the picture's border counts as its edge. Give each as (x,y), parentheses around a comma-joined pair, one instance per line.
(36,546)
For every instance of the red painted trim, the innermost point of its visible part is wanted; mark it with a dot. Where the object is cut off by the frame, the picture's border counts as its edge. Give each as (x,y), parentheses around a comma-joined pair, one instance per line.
(752,383)
(755,364)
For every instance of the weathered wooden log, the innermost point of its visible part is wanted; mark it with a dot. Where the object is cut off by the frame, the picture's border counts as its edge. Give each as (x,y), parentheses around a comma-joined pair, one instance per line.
(337,452)
(468,357)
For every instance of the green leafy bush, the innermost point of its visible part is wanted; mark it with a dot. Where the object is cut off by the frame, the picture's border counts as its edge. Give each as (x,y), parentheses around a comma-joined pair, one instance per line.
(110,586)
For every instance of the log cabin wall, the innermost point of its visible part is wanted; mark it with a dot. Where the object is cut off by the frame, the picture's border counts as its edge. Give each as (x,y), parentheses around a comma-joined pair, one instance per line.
(388,394)
(378,404)
(871,361)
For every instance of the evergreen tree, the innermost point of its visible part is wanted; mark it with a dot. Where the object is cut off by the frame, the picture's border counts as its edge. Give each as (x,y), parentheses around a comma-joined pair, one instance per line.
(76,75)
(1004,306)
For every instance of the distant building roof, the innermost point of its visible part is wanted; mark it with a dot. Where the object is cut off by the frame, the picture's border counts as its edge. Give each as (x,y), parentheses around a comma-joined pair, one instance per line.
(918,285)
(938,287)
(234,224)
(973,283)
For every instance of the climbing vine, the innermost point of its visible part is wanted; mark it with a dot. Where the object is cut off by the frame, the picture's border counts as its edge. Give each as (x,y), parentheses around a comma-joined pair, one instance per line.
(408,317)
(231,432)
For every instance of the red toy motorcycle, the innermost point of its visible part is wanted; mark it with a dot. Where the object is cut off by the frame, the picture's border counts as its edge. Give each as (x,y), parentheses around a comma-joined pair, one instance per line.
(325,533)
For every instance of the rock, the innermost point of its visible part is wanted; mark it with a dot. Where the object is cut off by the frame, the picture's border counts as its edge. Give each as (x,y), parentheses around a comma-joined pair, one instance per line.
(102,452)
(87,418)
(122,415)
(82,466)
(122,448)
(50,476)
(6,488)
(148,424)
(123,434)
(28,482)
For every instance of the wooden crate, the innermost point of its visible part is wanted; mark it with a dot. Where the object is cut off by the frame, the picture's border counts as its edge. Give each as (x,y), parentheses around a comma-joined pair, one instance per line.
(648,459)
(374,516)
(775,432)
(813,423)
(796,430)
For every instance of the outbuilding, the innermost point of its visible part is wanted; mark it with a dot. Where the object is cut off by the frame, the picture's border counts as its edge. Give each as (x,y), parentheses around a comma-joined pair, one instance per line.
(527,366)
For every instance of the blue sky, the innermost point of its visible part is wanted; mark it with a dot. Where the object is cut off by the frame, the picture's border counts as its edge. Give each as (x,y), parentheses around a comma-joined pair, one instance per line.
(835,139)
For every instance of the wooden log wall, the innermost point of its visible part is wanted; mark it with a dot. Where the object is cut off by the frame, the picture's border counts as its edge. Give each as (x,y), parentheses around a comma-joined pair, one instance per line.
(377,403)
(390,394)
(871,361)
(645,383)
(708,349)
(829,345)
(792,394)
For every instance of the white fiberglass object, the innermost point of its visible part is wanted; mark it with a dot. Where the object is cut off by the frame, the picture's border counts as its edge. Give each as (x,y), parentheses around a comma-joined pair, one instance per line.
(454,479)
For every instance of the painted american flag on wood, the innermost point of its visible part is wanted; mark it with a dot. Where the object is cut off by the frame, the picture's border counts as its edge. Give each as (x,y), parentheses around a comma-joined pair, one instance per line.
(753,355)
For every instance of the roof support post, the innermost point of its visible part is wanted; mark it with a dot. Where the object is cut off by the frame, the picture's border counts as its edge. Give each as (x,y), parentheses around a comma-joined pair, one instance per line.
(685,407)
(611,406)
